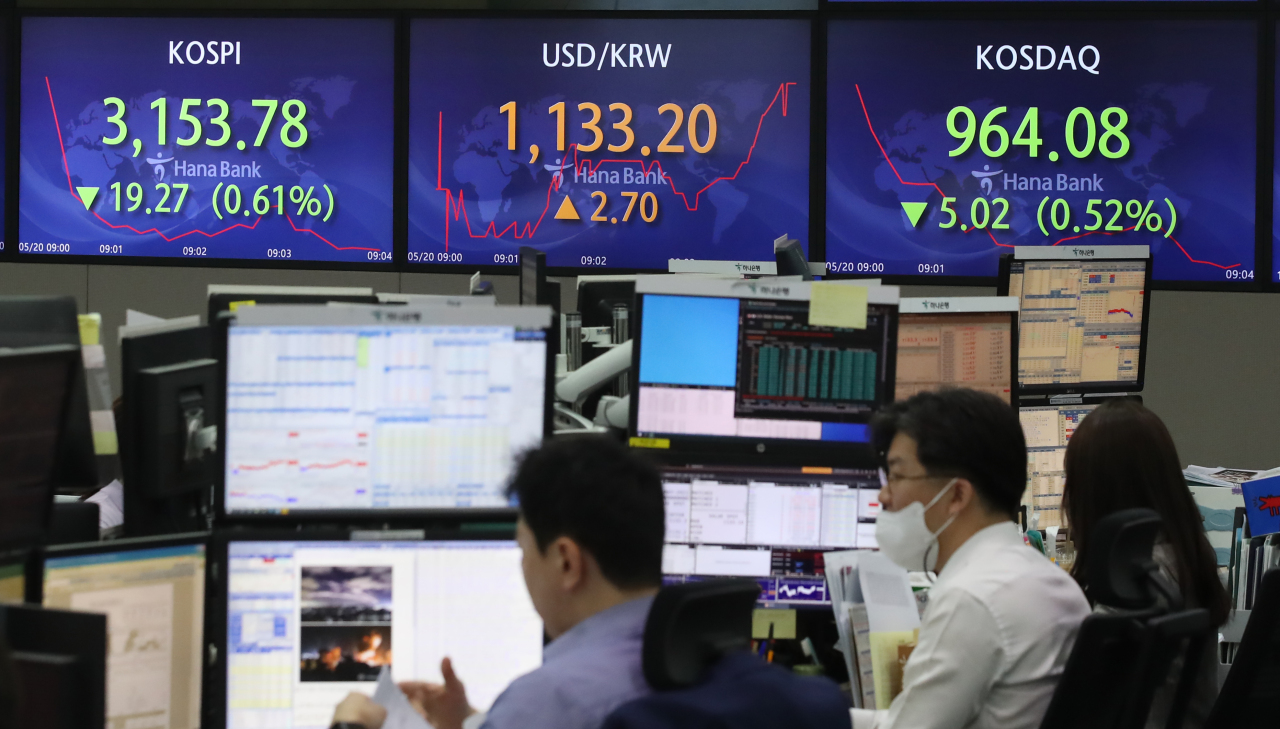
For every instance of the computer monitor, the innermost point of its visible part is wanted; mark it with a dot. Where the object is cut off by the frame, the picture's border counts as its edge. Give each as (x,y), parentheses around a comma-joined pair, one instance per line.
(772,524)
(166,376)
(1083,323)
(36,386)
(153,594)
(958,342)
(226,297)
(599,295)
(60,662)
(734,367)
(13,578)
(311,618)
(1047,429)
(42,321)
(341,409)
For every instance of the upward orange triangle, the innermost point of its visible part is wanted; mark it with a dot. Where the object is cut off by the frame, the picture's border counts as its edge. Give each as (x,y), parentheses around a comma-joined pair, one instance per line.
(567,211)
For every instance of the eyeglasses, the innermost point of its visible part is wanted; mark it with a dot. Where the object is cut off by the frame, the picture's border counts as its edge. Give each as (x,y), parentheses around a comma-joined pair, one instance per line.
(887,480)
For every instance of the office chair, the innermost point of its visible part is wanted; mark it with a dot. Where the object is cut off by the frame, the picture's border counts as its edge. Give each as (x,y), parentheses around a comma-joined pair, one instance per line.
(1120,659)
(1251,694)
(696,658)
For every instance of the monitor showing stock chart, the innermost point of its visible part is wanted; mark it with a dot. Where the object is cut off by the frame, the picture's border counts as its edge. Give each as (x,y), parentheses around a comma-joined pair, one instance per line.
(986,135)
(688,140)
(265,139)
(330,413)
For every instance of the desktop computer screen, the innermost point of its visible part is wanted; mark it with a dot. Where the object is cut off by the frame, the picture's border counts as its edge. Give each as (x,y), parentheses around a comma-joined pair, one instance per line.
(721,358)
(310,621)
(358,408)
(960,342)
(152,592)
(1047,430)
(13,582)
(1081,321)
(772,524)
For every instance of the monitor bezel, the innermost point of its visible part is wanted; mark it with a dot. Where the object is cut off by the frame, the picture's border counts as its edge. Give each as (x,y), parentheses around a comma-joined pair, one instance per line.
(216,595)
(1041,392)
(968,302)
(398,516)
(674,449)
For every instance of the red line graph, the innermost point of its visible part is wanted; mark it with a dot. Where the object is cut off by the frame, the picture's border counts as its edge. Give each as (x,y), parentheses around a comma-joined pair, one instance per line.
(304,467)
(1120,311)
(876,137)
(456,209)
(72,189)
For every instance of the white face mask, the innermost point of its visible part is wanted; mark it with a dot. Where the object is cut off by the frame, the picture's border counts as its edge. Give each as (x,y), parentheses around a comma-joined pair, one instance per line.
(904,537)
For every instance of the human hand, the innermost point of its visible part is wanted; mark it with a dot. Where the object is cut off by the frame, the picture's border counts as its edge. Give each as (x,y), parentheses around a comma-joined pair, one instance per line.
(444,705)
(360,709)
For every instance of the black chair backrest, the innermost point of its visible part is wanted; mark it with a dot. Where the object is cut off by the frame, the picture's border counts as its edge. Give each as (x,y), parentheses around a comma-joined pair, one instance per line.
(1120,659)
(1251,694)
(1120,561)
(693,624)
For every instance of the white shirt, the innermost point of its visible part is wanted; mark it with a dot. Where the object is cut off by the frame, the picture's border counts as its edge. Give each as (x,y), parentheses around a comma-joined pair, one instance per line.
(994,638)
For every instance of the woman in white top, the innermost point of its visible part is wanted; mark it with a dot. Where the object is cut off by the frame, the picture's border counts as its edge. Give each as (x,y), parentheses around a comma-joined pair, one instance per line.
(1122,457)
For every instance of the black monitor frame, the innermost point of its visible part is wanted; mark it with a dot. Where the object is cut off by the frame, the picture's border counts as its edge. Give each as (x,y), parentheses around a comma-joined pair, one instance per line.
(216,612)
(69,639)
(413,518)
(39,573)
(1044,391)
(676,449)
(68,357)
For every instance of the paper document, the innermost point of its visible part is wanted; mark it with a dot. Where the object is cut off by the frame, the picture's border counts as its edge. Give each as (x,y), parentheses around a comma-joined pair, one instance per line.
(834,304)
(110,501)
(134,318)
(400,713)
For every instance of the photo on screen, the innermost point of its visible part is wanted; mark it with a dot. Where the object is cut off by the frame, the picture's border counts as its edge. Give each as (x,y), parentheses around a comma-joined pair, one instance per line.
(344,652)
(346,594)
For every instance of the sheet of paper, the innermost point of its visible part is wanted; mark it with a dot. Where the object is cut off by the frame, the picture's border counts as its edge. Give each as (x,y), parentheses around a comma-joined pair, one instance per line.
(110,501)
(400,713)
(887,589)
(90,329)
(834,304)
(887,665)
(134,318)
(94,356)
(783,622)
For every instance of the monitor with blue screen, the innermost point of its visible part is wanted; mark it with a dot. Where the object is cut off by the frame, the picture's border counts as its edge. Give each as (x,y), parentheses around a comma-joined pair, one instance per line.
(340,409)
(726,363)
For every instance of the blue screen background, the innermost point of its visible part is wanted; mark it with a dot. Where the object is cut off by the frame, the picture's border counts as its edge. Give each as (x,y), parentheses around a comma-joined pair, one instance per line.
(495,200)
(1189,88)
(689,340)
(341,69)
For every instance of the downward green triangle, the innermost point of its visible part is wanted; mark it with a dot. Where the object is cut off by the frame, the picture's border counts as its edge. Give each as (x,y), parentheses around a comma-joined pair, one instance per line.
(915,210)
(87,195)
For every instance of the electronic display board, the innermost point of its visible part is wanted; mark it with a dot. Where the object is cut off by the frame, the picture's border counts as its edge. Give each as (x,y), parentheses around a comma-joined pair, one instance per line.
(253,139)
(607,143)
(949,142)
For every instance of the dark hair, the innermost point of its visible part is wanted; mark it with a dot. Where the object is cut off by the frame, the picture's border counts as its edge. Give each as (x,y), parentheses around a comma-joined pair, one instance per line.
(601,495)
(1122,457)
(963,433)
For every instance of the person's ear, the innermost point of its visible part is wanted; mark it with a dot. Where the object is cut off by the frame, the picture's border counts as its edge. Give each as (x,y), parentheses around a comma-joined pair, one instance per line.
(570,563)
(962,494)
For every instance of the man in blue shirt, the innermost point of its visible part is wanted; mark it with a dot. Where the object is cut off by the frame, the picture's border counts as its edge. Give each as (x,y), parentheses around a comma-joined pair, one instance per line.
(591,530)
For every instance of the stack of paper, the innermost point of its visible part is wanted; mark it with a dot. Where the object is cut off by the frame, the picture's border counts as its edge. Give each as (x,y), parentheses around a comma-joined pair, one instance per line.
(877,620)
(1230,477)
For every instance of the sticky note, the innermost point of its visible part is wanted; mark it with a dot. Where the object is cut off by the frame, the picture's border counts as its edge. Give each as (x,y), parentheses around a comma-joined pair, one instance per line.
(362,352)
(94,356)
(90,329)
(837,305)
(660,443)
(783,622)
(235,305)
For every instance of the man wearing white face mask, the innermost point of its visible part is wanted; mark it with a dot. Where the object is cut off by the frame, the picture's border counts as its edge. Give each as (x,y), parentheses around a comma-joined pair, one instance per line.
(1001,618)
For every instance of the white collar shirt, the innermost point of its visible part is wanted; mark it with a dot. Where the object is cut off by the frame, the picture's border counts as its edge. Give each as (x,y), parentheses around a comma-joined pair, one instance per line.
(994,638)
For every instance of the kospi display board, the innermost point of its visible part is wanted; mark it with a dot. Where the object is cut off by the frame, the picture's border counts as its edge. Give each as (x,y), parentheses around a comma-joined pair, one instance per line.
(607,143)
(262,139)
(949,142)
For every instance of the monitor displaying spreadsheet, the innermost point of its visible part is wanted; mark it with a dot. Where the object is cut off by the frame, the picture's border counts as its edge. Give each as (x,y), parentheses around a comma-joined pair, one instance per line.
(1047,430)
(395,408)
(310,621)
(740,361)
(1082,321)
(152,592)
(772,524)
(957,342)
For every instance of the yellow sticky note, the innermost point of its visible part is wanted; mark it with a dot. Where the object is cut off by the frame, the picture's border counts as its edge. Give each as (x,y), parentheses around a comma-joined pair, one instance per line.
(661,443)
(783,622)
(235,305)
(837,305)
(105,443)
(362,352)
(90,329)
